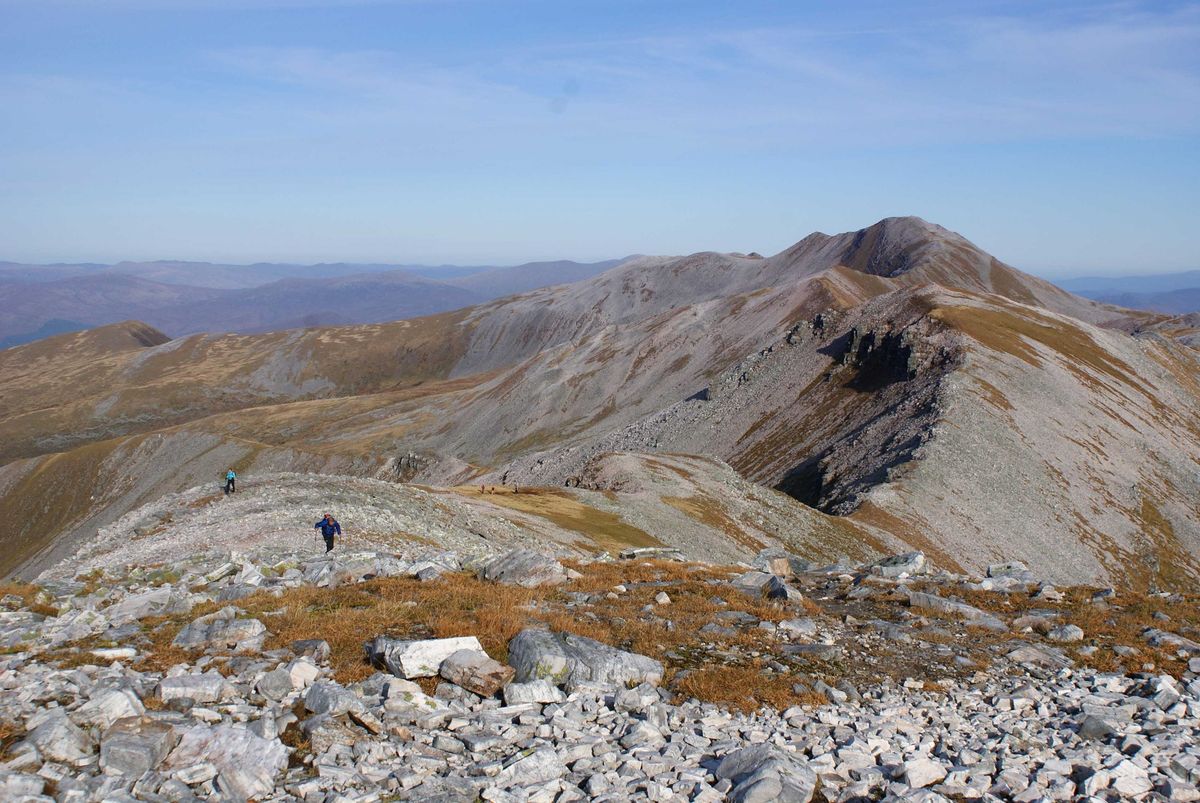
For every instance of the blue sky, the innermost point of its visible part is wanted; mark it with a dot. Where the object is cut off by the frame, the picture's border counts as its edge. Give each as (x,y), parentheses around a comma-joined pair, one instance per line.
(1062,137)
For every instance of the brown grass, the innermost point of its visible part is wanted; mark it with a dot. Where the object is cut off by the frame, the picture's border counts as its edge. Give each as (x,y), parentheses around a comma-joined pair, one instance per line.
(1121,622)
(607,530)
(10,734)
(461,605)
(746,688)
(28,594)
(709,512)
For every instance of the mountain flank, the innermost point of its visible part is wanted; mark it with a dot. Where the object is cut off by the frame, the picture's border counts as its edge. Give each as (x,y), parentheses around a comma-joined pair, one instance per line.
(899,382)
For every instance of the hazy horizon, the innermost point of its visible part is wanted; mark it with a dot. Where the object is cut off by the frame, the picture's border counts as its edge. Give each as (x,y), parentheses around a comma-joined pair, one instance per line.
(1063,140)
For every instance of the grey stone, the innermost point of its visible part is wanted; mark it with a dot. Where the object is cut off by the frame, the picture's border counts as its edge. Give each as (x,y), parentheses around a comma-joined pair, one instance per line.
(570,660)
(764,773)
(524,567)
(532,767)
(16,785)
(316,649)
(910,563)
(535,691)
(764,586)
(135,746)
(779,562)
(247,765)
(416,659)
(1093,727)
(276,684)
(327,697)
(923,771)
(60,739)
(475,672)
(974,616)
(204,688)
(109,705)
(1066,634)
(221,631)
(155,602)
(803,628)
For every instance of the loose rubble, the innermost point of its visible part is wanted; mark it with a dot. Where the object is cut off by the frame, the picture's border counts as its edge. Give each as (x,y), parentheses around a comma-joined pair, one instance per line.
(565,717)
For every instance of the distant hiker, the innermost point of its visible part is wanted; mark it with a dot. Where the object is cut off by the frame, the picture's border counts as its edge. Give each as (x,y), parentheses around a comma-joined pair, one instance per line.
(230,482)
(328,526)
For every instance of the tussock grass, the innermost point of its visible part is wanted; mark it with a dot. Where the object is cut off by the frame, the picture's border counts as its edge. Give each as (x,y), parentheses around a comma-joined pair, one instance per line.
(459,604)
(1122,621)
(29,597)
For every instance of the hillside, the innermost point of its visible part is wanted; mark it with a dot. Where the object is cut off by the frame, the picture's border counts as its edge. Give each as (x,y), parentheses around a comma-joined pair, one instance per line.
(896,379)
(183,298)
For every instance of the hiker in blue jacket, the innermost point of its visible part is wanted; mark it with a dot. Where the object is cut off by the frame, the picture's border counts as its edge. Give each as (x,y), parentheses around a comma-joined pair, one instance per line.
(230,481)
(328,526)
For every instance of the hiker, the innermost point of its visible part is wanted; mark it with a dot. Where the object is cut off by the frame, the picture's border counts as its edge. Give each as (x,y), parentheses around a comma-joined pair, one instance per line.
(230,482)
(328,526)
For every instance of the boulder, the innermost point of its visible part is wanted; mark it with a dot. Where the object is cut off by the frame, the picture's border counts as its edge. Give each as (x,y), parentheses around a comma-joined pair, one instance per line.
(1035,656)
(532,768)
(969,613)
(327,697)
(923,771)
(58,738)
(302,672)
(526,568)
(1065,634)
(570,660)
(535,691)
(206,688)
(416,659)
(18,785)
(910,563)
(221,631)
(475,672)
(764,586)
(276,684)
(316,649)
(155,602)
(246,764)
(764,773)
(134,746)
(107,706)
(779,562)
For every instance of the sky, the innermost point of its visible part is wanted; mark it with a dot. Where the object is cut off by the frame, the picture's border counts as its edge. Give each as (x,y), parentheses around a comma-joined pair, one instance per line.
(1063,137)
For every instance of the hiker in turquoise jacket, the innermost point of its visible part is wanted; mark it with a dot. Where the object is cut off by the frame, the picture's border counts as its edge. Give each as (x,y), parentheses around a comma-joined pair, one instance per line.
(230,482)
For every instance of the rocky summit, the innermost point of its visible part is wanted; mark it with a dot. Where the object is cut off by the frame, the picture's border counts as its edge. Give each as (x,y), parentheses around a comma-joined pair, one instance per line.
(516,676)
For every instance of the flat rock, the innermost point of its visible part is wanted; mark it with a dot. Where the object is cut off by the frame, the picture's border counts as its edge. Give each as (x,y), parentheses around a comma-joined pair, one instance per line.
(420,658)
(535,691)
(476,672)
(764,773)
(910,563)
(526,568)
(246,764)
(532,767)
(134,746)
(973,615)
(570,660)
(222,631)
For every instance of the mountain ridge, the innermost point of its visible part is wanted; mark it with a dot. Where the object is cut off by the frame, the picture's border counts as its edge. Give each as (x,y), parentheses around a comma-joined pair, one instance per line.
(862,389)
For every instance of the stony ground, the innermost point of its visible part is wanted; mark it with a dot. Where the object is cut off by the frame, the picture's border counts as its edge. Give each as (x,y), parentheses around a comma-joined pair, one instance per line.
(514,677)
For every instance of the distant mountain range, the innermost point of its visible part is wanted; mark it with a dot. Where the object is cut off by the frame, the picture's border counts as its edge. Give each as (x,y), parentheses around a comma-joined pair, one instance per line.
(1174,293)
(181,298)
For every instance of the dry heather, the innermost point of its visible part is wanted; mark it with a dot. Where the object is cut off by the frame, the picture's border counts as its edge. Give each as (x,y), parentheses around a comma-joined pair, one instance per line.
(741,667)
